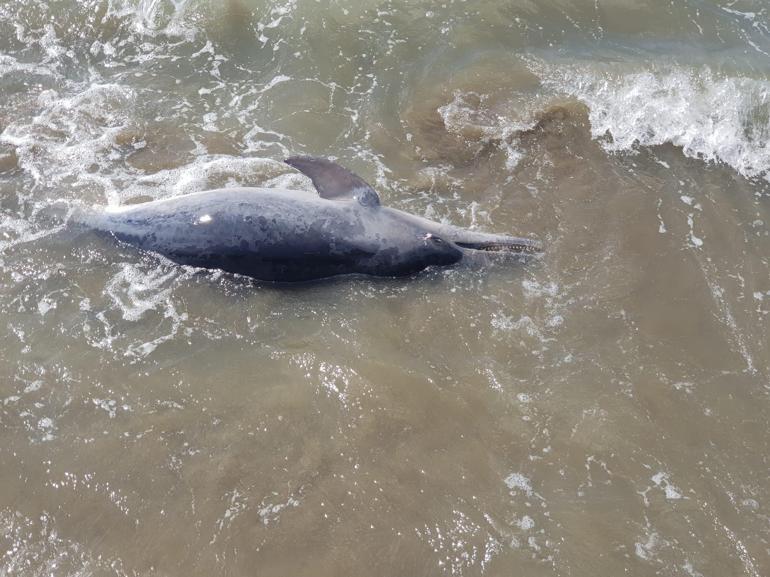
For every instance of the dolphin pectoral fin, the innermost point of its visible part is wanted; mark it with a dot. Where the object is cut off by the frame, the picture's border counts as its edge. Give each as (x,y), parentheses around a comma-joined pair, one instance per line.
(333,181)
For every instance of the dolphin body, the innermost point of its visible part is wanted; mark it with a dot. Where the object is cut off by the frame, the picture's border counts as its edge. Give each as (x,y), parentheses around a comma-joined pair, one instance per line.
(290,235)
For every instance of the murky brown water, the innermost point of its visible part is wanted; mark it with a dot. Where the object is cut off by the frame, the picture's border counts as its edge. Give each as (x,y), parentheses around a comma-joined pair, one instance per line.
(602,410)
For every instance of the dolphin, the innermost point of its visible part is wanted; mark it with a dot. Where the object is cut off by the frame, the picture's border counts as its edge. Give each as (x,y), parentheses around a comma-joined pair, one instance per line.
(292,235)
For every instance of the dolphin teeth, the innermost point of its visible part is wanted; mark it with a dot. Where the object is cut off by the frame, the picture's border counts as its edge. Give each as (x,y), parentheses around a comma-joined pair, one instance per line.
(533,247)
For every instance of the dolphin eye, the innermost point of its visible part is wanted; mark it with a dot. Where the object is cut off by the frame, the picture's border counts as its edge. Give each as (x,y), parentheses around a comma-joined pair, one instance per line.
(433,238)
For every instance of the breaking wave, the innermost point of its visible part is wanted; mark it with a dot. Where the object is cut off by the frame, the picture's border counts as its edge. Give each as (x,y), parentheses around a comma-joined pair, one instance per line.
(710,117)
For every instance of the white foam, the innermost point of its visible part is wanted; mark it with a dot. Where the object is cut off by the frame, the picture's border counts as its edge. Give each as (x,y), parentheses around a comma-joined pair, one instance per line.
(15,231)
(153,18)
(46,426)
(70,134)
(526,523)
(461,544)
(34,547)
(647,550)
(672,492)
(45,305)
(269,512)
(136,291)
(714,118)
(520,482)
(206,172)
(10,65)
(107,405)
(476,124)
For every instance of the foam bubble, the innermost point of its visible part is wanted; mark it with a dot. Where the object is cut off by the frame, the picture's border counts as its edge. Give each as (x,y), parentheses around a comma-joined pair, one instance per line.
(10,65)
(155,17)
(206,172)
(710,117)
(34,547)
(518,481)
(464,117)
(46,427)
(137,291)
(70,135)
(672,492)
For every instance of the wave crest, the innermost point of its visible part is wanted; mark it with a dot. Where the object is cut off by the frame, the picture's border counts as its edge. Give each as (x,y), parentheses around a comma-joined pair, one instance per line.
(712,118)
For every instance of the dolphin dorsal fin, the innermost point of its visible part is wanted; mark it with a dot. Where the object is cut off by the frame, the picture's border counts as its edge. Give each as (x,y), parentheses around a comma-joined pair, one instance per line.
(333,181)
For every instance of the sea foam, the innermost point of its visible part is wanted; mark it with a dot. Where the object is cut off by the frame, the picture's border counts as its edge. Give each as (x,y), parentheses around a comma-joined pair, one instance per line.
(711,117)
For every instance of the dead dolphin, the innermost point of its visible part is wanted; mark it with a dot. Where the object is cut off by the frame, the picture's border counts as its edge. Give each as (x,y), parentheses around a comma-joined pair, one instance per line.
(291,235)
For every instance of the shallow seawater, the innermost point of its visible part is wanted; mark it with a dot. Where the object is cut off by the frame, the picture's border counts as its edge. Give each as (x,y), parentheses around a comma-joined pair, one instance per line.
(600,410)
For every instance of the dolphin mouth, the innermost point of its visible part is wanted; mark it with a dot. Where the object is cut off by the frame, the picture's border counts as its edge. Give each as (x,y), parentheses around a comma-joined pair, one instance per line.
(514,245)
(477,241)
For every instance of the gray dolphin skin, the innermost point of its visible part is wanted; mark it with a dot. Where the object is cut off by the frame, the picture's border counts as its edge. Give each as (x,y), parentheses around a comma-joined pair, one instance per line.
(291,235)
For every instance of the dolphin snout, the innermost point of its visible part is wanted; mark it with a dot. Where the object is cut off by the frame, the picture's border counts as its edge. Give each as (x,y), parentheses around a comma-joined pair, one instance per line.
(508,244)
(502,243)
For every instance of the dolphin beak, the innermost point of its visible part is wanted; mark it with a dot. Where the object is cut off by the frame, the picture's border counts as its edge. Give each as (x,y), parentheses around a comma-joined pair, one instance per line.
(499,243)
(510,244)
